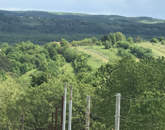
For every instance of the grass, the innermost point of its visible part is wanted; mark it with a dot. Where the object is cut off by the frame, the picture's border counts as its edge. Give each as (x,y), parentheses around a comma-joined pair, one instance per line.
(158,50)
(99,55)
(67,68)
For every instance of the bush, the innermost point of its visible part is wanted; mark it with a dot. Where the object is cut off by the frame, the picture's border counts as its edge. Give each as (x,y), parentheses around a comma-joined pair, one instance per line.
(4,63)
(123,53)
(140,52)
(2,75)
(161,39)
(123,44)
(99,43)
(64,43)
(107,44)
(84,42)
(38,78)
(69,54)
(80,64)
(154,40)
(130,39)
(114,37)
(163,42)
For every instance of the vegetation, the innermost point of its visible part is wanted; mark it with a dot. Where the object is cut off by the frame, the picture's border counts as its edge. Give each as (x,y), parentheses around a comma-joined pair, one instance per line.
(33,77)
(40,27)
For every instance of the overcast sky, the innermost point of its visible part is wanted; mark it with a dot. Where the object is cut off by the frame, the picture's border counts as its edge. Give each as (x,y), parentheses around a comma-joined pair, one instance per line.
(152,8)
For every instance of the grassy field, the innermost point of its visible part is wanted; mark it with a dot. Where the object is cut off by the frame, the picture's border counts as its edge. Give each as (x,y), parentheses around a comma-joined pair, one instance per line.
(99,55)
(157,49)
(67,68)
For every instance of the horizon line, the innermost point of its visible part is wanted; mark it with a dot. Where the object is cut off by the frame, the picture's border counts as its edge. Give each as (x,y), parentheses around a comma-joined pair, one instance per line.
(73,12)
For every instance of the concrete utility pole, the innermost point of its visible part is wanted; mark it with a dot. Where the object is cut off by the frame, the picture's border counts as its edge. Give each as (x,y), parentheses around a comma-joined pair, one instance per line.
(62,104)
(70,111)
(64,108)
(117,115)
(88,113)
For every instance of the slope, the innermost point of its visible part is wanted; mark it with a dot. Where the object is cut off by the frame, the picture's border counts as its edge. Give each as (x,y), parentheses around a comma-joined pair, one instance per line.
(40,27)
(99,55)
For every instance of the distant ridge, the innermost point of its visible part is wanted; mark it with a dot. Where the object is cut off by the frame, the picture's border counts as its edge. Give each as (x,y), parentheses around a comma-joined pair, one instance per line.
(41,26)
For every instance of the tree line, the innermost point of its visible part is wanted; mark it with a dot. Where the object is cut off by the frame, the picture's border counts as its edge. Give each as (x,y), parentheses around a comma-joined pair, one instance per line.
(33,76)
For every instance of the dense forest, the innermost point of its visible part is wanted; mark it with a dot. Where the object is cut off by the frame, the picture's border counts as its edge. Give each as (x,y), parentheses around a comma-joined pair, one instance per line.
(33,76)
(41,27)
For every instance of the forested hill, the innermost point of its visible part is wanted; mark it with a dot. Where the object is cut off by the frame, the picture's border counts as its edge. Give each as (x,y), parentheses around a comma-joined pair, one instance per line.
(40,26)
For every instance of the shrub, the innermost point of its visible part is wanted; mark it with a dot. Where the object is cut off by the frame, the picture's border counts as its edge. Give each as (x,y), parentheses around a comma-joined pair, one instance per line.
(99,43)
(64,43)
(107,44)
(130,39)
(154,40)
(123,53)
(38,78)
(161,38)
(163,42)
(84,42)
(69,54)
(114,37)
(4,63)
(140,52)
(80,64)
(123,44)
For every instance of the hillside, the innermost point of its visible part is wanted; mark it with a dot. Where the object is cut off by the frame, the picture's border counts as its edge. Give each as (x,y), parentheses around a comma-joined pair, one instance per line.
(157,49)
(42,27)
(33,77)
(100,56)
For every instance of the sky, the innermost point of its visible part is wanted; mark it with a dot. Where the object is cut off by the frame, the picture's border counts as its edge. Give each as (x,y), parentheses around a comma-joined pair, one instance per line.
(151,8)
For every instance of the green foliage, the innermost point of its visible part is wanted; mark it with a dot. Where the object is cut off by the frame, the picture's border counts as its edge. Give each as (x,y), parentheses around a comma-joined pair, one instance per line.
(94,39)
(154,40)
(123,44)
(38,78)
(4,63)
(10,92)
(112,39)
(130,39)
(80,64)
(2,75)
(161,38)
(120,36)
(99,43)
(163,42)
(85,42)
(41,27)
(158,40)
(52,49)
(142,87)
(27,56)
(108,44)
(69,54)
(33,83)
(124,53)
(64,43)
(141,52)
